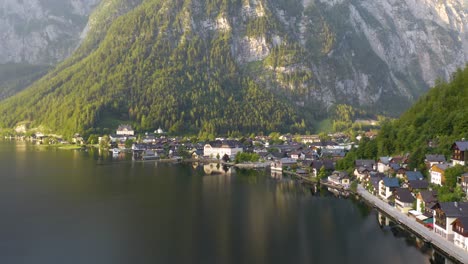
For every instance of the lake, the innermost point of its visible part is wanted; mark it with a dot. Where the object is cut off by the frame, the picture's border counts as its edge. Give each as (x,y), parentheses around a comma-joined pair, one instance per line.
(67,206)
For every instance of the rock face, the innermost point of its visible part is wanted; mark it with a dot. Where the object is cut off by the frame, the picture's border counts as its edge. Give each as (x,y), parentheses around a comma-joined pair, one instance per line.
(41,31)
(373,53)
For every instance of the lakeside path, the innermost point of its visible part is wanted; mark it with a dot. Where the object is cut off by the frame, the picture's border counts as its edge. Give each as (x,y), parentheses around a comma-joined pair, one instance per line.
(446,246)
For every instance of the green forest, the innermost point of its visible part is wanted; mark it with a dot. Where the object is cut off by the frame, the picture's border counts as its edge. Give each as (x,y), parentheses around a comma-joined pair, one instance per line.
(430,126)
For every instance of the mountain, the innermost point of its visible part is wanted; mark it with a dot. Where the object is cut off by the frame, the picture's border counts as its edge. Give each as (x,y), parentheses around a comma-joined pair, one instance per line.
(35,34)
(41,31)
(246,65)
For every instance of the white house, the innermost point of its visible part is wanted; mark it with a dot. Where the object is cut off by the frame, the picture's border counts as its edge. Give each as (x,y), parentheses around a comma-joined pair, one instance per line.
(383,164)
(445,214)
(387,186)
(217,149)
(437,172)
(460,230)
(125,130)
(403,199)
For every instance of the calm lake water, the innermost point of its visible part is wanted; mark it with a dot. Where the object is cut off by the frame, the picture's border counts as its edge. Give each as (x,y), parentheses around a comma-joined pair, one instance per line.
(64,206)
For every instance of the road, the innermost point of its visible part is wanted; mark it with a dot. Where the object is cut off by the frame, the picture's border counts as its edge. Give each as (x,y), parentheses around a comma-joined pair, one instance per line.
(438,241)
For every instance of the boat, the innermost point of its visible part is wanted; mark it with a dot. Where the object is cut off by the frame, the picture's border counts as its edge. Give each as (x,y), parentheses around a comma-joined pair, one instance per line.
(115,151)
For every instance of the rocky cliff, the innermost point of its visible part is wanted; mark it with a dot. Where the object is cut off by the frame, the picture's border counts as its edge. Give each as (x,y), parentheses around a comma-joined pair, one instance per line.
(41,31)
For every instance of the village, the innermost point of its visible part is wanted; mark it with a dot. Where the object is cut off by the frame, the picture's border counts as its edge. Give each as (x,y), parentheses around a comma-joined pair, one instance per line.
(314,158)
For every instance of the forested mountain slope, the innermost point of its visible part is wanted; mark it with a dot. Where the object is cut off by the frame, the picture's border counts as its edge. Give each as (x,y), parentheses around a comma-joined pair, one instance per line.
(433,124)
(244,65)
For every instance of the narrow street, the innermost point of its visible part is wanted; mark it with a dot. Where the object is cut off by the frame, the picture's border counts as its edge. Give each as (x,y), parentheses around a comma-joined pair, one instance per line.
(441,243)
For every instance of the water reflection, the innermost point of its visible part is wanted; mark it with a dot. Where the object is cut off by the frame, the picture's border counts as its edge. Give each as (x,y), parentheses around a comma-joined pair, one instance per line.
(216,168)
(124,211)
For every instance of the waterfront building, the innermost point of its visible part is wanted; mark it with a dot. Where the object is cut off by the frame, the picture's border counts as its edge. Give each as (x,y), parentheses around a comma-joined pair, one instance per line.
(403,199)
(445,213)
(425,200)
(460,231)
(340,178)
(387,186)
(220,148)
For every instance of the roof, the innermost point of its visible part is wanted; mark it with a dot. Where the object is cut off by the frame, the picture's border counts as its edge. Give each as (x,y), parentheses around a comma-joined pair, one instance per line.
(419,184)
(391,182)
(435,158)
(453,209)
(395,166)
(463,221)
(329,165)
(374,174)
(375,182)
(414,175)
(404,195)
(385,160)
(428,196)
(365,163)
(462,145)
(222,143)
(442,166)
(362,169)
(124,127)
(288,161)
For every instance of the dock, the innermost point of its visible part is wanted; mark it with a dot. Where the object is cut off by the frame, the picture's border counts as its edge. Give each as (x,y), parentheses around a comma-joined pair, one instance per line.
(448,247)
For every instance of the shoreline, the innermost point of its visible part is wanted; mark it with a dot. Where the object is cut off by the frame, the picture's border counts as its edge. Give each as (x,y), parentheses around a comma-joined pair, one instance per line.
(438,242)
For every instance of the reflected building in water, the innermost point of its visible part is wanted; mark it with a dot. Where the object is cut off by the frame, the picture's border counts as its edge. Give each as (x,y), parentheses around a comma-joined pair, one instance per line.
(217,168)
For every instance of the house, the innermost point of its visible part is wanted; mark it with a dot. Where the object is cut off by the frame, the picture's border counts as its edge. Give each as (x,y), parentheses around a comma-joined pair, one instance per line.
(460,153)
(432,159)
(218,148)
(445,214)
(397,170)
(318,164)
(284,162)
(403,199)
(362,173)
(159,131)
(297,155)
(383,164)
(413,176)
(196,154)
(460,231)
(437,172)
(77,139)
(266,155)
(387,186)
(425,199)
(370,164)
(340,178)
(149,138)
(464,182)
(417,185)
(125,130)
(374,183)
(334,154)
